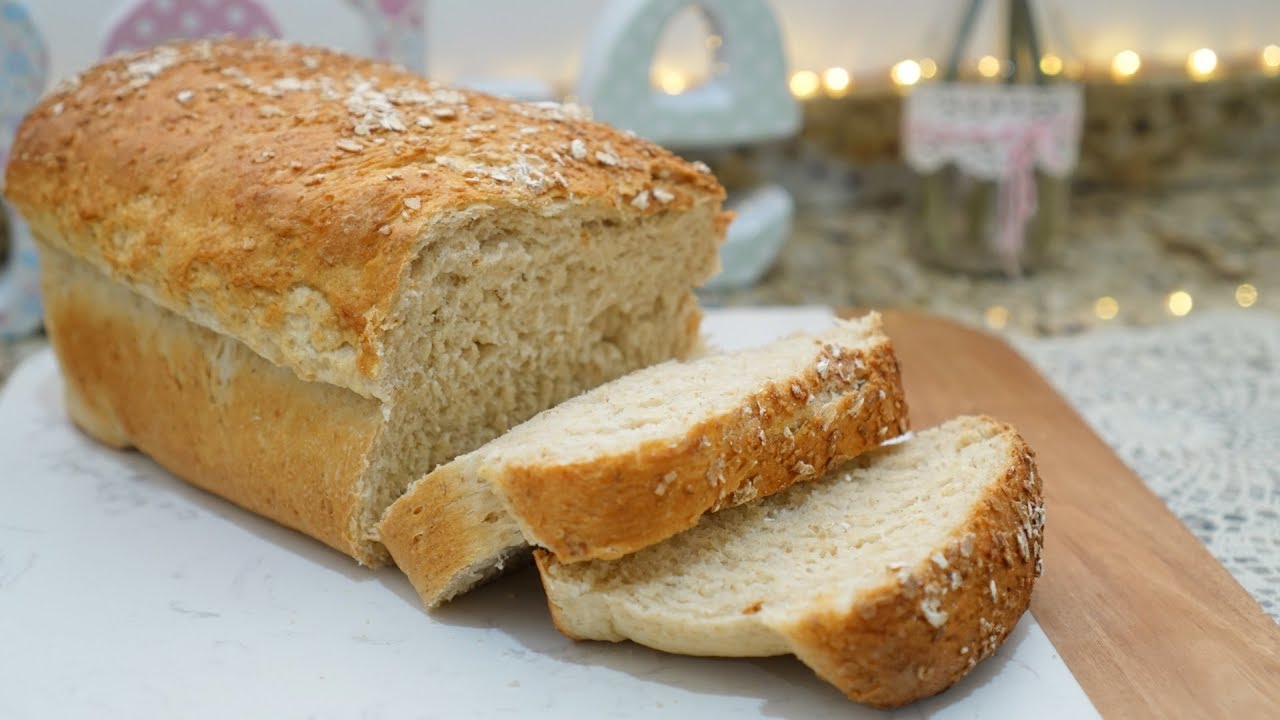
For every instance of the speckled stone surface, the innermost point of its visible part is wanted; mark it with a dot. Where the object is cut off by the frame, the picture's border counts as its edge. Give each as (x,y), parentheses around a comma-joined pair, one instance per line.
(1134,248)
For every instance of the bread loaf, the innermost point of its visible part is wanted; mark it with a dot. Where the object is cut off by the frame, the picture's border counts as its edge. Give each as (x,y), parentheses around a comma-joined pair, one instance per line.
(891,577)
(301,280)
(641,458)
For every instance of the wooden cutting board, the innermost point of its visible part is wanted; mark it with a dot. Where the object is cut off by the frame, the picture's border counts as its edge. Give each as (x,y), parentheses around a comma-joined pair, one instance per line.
(1150,623)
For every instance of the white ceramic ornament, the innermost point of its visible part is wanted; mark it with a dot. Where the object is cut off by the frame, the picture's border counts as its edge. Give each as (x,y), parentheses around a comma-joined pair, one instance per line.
(746,103)
(24,70)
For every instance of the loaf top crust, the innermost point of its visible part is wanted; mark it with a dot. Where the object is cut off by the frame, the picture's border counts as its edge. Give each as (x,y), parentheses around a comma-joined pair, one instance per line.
(265,189)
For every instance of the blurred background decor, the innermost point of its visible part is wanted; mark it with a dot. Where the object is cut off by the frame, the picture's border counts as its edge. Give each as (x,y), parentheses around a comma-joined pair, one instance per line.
(23,77)
(744,100)
(146,23)
(993,159)
(399,30)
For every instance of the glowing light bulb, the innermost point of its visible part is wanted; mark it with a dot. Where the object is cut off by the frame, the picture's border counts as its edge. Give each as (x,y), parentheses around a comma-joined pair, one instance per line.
(928,68)
(836,81)
(997,316)
(1106,308)
(989,66)
(1180,303)
(1051,64)
(804,84)
(672,82)
(1125,65)
(1271,59)
(905,73)
(1246,295)
(1201,64)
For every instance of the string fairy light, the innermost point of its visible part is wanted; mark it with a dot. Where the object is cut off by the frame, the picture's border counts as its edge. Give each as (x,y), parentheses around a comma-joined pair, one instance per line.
(1051,64)
(989,66)
(836,81)
(1201,64)
(804,84)
(1179,303)
(1106,308)
(1125,65)
(1246,295)
(997,316)
(905,73)
(671,82)
(1271,59)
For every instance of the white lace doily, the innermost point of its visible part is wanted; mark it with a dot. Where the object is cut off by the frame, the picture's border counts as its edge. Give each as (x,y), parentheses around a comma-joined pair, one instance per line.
(991,131)
(1194,408)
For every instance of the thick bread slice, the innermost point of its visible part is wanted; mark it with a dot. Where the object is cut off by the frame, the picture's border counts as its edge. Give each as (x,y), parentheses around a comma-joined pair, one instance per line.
(301,279)
(637,460)
(891,577)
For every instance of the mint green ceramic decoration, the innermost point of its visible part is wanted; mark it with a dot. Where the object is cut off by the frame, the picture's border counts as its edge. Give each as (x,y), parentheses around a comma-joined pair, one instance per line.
(748,102)
(745,103)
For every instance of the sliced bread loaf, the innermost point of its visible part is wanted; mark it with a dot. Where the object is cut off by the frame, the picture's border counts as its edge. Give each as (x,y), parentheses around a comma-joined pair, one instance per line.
(891,577)
(637,460)
(300,279)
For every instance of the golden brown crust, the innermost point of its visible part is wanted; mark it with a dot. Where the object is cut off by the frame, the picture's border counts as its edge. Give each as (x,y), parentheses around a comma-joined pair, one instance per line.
(209,409)
(609,507)
(438,538)
(258,187)
(918,636)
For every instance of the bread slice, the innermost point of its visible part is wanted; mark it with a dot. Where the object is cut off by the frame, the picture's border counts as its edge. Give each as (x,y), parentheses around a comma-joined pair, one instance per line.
(891,577)
(637,460)
(301,279)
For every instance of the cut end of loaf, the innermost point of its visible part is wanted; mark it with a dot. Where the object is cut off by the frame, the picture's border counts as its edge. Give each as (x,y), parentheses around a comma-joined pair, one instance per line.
(513,313)
(891,577)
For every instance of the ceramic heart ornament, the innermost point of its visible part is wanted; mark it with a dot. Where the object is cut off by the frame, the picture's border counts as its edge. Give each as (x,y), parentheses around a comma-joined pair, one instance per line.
(150,22)
(24,72)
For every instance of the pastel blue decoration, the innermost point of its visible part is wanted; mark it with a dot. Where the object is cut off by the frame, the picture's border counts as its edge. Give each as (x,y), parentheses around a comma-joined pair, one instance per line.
(24,72)
(747,102)
(755,237)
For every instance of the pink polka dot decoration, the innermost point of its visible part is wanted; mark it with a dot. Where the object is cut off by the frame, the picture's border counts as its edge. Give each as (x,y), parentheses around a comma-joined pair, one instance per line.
(24,70)
(151,22)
